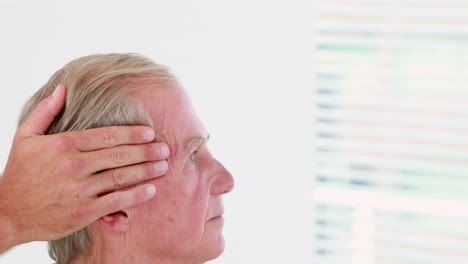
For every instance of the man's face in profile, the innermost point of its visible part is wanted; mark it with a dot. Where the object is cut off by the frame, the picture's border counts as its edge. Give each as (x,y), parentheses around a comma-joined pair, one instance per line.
(183,221)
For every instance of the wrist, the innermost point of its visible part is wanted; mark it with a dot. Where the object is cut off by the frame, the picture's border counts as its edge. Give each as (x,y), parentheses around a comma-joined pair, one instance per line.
(8,232)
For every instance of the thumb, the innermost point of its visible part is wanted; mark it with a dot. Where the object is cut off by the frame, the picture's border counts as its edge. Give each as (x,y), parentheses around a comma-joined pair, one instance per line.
(44,113)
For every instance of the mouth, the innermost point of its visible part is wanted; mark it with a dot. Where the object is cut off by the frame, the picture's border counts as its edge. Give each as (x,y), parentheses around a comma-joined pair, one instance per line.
(216,220)
(216,211)
(217,217)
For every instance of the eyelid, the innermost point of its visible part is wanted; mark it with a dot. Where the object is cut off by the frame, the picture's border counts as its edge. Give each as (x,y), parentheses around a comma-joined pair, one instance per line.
(195,143)
(192,155)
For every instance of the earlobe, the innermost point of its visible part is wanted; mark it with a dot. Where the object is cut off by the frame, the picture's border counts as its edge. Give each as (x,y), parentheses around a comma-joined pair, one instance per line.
(117,222)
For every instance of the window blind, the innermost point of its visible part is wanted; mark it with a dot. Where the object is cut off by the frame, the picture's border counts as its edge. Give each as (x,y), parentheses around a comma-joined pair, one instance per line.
(392,132)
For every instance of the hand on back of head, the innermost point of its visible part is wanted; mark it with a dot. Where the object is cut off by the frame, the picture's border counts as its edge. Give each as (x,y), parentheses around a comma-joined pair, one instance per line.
(50,187)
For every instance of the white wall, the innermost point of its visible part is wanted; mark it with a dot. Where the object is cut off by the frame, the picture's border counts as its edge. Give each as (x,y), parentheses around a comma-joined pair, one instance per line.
(247,65)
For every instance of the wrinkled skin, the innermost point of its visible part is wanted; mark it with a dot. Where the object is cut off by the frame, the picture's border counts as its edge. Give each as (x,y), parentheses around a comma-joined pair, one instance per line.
(185,226)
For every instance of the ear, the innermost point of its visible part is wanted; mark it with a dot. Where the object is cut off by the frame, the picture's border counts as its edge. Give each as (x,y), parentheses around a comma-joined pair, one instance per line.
(117,222)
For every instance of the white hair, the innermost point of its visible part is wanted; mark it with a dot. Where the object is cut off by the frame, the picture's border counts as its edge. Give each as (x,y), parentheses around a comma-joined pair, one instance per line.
(98,94)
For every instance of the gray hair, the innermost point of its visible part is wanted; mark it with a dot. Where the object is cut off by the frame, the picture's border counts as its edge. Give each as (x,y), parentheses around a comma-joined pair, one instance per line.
(98,94)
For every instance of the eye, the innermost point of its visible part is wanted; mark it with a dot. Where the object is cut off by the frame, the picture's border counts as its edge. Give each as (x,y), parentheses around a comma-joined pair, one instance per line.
(192,156)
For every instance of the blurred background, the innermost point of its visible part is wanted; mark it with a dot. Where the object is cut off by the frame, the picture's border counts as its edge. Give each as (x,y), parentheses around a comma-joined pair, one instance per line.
(344,123)
(391,112)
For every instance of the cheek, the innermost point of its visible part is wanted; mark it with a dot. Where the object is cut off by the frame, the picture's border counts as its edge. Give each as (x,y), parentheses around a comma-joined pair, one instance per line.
(178,208)
(174,220)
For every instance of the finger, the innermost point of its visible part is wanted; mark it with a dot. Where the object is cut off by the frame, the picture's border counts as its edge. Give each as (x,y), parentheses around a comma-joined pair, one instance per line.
(106,137)
(112,180)
(44,113)
(121,200)
(120,156)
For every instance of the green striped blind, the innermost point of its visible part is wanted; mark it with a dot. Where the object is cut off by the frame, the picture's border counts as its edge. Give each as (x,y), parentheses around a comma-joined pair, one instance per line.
(392,132)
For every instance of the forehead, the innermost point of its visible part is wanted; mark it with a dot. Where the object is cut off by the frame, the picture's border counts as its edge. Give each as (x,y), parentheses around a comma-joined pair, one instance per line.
(173,114)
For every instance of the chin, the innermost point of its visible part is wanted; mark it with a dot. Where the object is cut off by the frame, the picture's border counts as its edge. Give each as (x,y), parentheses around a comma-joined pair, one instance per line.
(218,249)
(213,249)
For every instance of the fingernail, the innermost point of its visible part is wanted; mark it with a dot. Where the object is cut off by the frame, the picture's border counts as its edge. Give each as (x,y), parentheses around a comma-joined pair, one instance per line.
(148,134)
(55,91)
(163,151)
(150,190)
(161,166)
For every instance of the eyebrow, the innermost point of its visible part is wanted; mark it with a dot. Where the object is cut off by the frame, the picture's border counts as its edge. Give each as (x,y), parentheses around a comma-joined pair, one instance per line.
(195,142)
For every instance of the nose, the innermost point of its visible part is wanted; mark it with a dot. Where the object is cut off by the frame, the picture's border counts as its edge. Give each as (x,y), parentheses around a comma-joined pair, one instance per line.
(224,182)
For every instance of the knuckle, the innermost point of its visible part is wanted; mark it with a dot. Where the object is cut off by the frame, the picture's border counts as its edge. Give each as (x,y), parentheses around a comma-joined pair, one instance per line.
(150,170)
(118,178)
(63,143)
(109,137)
(117,203)
(149,151)
(138,197)
(80,213)
(73,165)
(119,155)
(42,107)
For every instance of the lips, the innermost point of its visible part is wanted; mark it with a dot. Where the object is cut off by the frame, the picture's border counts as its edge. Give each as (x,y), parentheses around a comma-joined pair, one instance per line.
(217,213)
(217,216)
(216,209)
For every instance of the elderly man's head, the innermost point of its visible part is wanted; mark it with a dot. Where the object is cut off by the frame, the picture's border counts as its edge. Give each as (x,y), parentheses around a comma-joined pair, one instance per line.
(183,223)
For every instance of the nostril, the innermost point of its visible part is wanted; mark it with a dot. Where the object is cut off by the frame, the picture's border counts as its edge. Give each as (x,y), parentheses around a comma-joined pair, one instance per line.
(224,184)
(229,184)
